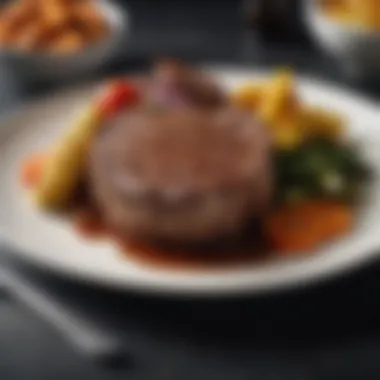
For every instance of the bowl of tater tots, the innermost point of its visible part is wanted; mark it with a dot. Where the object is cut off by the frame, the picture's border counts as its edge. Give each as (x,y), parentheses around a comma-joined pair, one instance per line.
(348,30)
(60,39)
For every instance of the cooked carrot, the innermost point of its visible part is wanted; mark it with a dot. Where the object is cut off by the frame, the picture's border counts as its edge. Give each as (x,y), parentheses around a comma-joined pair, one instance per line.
(304,226)
(291,229)
(31,170)
(339,219)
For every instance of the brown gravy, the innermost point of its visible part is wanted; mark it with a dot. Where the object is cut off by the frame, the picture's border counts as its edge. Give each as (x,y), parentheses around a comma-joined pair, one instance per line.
(186,259)
(249,247)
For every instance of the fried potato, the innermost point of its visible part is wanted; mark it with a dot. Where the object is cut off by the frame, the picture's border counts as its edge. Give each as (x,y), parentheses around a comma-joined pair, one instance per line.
(68,41)
(87,12)
(31,36)
(88,19)
(248,96)
(54,13)
(14,17)
(278,96)
(18,12)
(6,32)
(56,26)
(317,121)
(287,135)
(289,121)
(365,13)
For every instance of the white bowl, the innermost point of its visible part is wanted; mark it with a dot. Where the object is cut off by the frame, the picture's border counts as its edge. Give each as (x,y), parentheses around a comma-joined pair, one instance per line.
(51,67)
(358,50)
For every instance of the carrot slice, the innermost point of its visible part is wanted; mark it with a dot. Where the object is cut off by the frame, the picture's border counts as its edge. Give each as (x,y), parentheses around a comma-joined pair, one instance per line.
(32,169)
(304,226)
(339,219)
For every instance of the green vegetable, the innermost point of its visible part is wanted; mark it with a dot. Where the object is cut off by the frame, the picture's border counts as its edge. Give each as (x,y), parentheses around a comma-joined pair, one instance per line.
(320,168)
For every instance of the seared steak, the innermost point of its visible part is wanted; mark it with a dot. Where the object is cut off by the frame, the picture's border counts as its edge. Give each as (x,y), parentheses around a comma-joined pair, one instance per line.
(178,85)
(181,175)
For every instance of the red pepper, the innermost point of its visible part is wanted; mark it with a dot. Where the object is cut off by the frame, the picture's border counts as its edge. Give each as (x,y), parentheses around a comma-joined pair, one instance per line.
(119,95)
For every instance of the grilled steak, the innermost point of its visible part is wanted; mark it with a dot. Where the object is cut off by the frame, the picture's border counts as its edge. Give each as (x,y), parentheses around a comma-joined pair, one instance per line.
(181,175)
(178,85)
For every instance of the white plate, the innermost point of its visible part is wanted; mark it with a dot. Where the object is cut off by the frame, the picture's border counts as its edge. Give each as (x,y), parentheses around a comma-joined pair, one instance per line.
(52,244)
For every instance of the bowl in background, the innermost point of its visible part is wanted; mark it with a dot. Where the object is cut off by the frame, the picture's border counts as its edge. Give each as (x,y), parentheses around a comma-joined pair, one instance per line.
(356,49)
(48,67)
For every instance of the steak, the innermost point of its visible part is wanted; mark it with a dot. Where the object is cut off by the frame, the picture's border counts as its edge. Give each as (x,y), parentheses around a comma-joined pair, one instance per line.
(176,84)
(181,174)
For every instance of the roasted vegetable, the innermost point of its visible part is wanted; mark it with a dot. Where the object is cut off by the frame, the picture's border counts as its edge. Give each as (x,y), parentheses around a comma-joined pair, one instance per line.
(64,169)
(276,102)
(286,133)
(316,122)
(32,169)
(319,168)
(278,97)
(302,227)
(248,96)
(66,163)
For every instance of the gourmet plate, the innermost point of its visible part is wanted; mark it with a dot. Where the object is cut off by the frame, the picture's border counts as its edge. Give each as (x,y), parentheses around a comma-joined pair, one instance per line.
(194,182)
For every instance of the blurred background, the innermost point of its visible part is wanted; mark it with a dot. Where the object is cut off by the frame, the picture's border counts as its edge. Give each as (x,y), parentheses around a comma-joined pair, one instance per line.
(328,331)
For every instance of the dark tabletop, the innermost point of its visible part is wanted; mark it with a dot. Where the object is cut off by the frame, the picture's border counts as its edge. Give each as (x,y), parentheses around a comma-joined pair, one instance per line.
(328,331)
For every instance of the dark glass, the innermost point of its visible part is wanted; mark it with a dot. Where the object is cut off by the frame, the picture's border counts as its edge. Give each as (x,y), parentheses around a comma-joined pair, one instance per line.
(274,19)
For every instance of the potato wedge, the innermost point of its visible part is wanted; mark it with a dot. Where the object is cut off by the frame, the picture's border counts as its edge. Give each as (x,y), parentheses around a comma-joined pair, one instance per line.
(317,121)
(278,96)
(248,96)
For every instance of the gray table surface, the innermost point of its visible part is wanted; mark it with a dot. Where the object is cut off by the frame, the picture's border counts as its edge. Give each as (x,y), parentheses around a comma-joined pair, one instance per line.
(326,332)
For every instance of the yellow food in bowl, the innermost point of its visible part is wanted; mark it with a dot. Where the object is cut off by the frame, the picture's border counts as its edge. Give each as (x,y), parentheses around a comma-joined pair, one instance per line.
(362,13)
(52,26)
